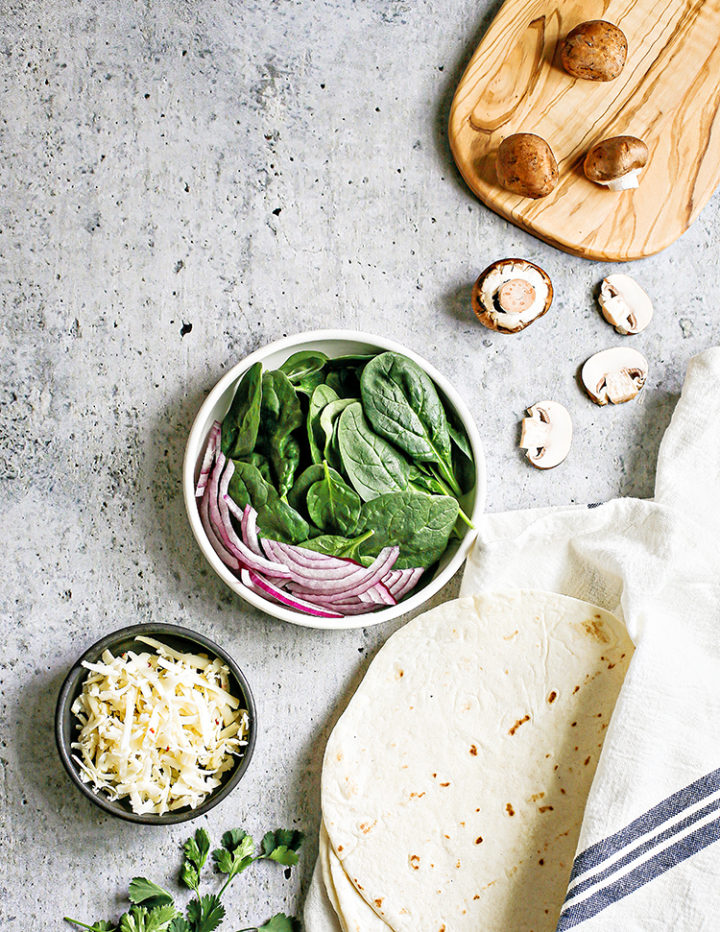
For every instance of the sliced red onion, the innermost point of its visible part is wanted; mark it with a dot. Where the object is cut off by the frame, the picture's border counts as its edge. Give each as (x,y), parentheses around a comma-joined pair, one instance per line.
(319,572)
(317,567)
(224,554)
(350,608)
(378,595)
(222,525)
(208,459)
(312,559)
(227,533)
(400,582)
(254,581)
(354,586)
(248,526)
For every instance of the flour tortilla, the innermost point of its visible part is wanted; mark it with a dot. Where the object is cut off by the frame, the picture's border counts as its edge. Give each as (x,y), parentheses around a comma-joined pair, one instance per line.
(352,911)
(454,785)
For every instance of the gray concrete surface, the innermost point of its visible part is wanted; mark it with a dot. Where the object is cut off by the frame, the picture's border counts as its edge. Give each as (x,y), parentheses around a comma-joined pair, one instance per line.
(181,183)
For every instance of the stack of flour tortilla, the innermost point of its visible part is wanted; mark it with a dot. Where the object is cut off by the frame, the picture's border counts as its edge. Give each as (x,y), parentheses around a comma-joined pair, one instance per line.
(454,784)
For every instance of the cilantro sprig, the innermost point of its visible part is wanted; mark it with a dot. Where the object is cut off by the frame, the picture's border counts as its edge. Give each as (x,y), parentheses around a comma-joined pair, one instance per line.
(153,909)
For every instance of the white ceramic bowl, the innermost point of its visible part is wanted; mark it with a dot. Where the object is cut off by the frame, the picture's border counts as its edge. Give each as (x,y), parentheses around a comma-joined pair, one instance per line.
(332,343)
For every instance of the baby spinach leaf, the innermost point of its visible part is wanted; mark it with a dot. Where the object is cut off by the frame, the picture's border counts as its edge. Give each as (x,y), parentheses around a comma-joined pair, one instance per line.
(280,415)
(372,465)
(298,493)
(320,397)
(350,361)
(297,497)
(276,518)
(300,365)
(261,463)
(328,418)
(240,426)
(332,505)
(463,462)
(403,406)
(345,380)
(336,546)
(419,524)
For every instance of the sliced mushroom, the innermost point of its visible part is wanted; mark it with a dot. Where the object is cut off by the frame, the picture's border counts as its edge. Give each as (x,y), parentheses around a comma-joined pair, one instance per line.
(510,294)
(616,162)
(624,304)
(546,434)
(525,165)
(614,375)
(595,50)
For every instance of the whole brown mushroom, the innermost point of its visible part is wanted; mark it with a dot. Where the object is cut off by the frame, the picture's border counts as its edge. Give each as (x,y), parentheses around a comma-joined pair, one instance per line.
(525,165)
(616,162)
(595,51)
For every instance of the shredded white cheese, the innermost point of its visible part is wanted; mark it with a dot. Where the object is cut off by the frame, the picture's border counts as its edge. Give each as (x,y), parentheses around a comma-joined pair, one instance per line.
(159,728)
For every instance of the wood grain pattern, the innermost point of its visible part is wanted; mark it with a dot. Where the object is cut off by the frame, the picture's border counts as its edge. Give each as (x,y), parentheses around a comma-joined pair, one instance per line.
(668,94)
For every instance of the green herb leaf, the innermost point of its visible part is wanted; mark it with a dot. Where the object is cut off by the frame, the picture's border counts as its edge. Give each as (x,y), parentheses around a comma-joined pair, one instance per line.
(280,923)
(282,846)
(141,919)
(160,917)
(196,849)
(102,925)
(236,853)
(179,924)
(148,893)
(190,876)
(206,914)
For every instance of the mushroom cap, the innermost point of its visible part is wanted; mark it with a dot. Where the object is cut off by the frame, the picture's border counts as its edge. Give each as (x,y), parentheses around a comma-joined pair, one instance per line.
(625,304)
(525,165)
(614,157)
(614,375)
(595,51)
(547,434)
(514,315)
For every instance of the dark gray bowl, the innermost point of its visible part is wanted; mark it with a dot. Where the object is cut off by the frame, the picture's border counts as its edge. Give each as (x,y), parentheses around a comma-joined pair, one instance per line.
(181,639)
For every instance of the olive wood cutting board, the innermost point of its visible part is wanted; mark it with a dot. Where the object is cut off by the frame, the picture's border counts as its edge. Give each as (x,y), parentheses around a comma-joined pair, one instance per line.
(668,94)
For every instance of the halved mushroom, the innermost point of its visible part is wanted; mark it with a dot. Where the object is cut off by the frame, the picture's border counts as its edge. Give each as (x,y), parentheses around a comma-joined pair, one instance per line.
(616,162)
(615,375)
(547,434)
(595,50)
(624,304)
(525,165)
(510,294)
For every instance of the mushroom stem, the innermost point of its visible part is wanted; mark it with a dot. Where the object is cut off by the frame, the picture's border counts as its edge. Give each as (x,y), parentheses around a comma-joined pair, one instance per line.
(624,182)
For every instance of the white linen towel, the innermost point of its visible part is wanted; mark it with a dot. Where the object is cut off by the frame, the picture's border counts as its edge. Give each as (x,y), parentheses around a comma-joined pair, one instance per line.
(646,856)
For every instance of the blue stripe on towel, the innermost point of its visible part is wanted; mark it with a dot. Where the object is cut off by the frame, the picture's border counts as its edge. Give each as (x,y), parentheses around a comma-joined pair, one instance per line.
(594,855)
(642,874)
(653,842)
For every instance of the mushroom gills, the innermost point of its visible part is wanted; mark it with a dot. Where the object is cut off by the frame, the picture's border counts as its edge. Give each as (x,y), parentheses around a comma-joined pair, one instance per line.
(625,304)
(511,294)
(547,434)
(614,375)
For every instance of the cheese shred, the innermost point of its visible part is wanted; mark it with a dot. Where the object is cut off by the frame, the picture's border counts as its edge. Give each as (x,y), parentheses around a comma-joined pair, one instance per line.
(158,728)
